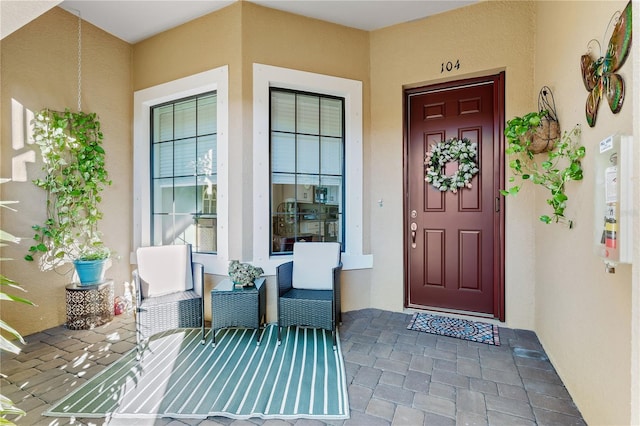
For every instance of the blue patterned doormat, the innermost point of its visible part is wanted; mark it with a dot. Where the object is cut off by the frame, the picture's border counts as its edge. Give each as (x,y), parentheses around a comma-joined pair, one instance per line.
(455,327)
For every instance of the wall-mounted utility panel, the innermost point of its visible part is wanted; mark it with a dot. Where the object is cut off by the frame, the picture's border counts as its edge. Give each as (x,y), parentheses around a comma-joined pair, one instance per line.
(614,201)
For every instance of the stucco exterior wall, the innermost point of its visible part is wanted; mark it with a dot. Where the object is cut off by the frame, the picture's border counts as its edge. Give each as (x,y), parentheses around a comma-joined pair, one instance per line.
(635,277)
(206,43)
(583,314)
(39,70)
(239,36)
(281,39)
(411,55)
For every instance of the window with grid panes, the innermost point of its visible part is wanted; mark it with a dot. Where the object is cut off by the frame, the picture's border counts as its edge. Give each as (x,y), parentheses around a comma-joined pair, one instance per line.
(307,143)
(184,178)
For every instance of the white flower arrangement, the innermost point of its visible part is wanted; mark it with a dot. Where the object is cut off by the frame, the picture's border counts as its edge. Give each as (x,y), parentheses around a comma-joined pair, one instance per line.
(243,273)
(464,152)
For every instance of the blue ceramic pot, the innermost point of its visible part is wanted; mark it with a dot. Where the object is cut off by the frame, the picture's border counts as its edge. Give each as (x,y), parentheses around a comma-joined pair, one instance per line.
(90,271)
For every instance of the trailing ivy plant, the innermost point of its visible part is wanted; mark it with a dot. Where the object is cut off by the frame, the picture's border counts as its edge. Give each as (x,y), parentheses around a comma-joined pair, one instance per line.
(75,175)
(563,164)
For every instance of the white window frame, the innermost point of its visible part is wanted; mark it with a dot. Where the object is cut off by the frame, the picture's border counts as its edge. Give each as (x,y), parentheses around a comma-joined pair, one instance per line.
(265,76)
(213,80)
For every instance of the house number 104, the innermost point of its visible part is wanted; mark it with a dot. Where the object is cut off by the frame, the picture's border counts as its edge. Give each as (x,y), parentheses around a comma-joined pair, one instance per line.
(449,66)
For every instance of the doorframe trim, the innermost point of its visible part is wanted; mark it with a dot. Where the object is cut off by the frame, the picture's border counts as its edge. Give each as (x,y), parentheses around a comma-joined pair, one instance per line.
(498,81)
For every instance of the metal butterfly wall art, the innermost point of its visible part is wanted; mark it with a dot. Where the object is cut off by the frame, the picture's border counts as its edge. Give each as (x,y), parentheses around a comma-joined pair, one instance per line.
(600,77)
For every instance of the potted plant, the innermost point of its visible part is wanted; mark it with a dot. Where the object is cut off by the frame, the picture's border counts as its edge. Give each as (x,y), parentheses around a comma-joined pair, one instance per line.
(75,175)
(534,133)
(563,163)
(243,274)
(91,264)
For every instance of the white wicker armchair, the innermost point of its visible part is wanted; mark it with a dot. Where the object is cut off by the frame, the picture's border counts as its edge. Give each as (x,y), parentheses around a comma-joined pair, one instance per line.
(169,290)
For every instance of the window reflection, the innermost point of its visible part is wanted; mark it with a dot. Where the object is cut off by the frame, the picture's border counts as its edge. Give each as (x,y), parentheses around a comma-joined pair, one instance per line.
(184,180)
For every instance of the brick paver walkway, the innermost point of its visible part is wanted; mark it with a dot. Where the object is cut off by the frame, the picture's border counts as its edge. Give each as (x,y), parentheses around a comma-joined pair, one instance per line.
(396,376)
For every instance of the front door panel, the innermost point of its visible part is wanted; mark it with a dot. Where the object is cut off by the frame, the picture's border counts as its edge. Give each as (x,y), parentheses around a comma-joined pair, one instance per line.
(454,259)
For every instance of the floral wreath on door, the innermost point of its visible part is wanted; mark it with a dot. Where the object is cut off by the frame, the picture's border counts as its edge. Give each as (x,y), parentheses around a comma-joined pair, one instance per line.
(462,151)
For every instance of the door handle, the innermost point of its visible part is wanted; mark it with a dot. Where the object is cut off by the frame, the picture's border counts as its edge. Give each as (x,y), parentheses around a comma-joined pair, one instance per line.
(414,227)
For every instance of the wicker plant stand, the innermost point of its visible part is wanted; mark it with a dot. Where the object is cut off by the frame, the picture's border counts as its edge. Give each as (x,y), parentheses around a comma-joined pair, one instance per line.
(238,307)
(89,306)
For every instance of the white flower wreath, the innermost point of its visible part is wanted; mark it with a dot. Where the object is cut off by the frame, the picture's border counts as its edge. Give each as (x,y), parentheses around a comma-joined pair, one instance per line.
(461,150)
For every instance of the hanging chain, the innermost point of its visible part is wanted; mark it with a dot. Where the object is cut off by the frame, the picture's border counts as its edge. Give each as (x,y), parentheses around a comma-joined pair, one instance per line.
(79,62)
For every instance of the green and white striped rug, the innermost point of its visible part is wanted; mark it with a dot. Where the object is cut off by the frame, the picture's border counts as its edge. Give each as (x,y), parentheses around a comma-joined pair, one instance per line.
(178,377)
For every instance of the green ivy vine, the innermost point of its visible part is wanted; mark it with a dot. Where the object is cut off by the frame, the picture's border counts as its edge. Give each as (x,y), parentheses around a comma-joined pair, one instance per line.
(563,163)
(75,175)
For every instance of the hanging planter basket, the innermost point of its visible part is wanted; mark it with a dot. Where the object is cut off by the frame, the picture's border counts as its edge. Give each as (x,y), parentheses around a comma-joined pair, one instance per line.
(544,137)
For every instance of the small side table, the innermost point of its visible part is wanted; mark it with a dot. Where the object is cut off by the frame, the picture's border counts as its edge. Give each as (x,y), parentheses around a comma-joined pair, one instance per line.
(238,307)
(89,306)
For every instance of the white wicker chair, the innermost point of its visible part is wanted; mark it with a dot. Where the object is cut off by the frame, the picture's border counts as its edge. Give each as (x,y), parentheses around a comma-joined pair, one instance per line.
(309,287)
(169,291)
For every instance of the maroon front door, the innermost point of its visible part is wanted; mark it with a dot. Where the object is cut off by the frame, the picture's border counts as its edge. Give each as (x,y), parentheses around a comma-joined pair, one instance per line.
(454,241)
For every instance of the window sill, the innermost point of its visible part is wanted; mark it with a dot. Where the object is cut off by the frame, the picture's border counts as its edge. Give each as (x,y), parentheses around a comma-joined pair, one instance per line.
(217,266)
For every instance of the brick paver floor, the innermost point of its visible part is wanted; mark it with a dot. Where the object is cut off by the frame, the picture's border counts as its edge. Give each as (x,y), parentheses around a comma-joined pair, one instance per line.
(396,376)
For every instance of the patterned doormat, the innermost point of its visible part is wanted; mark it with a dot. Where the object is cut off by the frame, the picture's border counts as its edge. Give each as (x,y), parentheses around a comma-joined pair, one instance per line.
(455,327)
(177,377)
